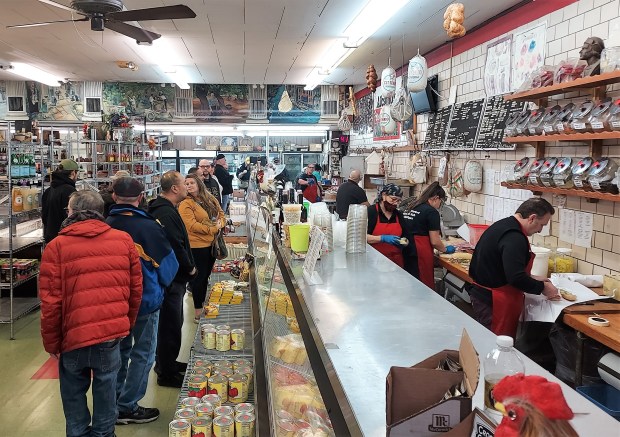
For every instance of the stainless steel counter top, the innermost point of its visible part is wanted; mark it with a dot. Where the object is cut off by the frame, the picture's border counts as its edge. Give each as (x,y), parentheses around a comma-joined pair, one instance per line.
(372,315)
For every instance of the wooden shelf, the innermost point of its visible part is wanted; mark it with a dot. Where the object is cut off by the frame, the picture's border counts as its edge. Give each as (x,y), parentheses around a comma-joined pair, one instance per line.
(595,195)
(587,136)
(559,88)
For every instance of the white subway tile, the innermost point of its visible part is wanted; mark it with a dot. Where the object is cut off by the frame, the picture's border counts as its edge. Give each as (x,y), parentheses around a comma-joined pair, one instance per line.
(592,18)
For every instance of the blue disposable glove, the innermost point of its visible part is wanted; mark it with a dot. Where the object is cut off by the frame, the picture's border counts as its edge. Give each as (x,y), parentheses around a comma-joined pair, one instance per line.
(391,239)
(450,249)
(311,182)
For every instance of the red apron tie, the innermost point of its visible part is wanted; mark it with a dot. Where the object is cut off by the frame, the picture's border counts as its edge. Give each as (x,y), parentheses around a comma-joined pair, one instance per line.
(395,254)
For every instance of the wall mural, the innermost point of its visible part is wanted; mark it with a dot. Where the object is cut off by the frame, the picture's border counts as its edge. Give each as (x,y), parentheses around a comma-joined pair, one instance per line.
(306,104)
(63,103)
(220,103)
(139,100)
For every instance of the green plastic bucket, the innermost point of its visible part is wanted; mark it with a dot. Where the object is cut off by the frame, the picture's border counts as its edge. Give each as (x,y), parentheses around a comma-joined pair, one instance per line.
(300,237)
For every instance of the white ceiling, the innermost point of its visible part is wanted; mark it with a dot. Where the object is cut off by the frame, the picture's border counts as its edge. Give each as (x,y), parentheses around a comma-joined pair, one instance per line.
(230,41)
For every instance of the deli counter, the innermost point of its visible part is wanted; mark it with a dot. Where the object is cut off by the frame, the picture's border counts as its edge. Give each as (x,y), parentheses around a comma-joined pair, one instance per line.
(328,348)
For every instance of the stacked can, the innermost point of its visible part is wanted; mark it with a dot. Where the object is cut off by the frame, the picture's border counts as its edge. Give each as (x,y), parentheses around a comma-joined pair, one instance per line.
(185,414)
(212,399)
(244,425)
(197,385)
(202,426)
(223,426)
(204,409)
(180,428)
(218,384)
(237,339)
(249,374)
(189,402)
(237,388)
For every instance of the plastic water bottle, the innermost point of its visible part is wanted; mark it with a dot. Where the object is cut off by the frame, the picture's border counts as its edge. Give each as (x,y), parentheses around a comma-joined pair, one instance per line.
(500,362)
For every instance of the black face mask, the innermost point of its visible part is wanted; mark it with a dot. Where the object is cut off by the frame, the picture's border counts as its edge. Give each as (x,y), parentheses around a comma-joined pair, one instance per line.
(388,206)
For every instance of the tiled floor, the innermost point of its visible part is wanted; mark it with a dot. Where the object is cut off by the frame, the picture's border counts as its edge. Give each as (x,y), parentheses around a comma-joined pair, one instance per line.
(33,407)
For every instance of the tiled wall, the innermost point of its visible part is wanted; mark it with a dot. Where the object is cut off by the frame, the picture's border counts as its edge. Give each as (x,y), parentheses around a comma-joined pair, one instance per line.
(567,29)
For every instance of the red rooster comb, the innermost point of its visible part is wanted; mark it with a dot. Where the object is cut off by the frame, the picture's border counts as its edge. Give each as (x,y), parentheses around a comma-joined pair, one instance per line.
(546,396)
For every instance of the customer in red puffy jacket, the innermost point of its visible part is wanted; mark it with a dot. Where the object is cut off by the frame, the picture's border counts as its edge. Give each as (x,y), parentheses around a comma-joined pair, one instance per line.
(91,287)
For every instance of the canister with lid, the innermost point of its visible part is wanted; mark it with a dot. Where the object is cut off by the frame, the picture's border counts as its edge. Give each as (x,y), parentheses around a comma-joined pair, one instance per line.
(562,173)
(534,173)
(602,174)
(562,124)
(580,173)
(581,116)
(546,172)
(535,125)
(523,122)
(614,115)
(550,119)
(520,171)
(600,116)
(511,125)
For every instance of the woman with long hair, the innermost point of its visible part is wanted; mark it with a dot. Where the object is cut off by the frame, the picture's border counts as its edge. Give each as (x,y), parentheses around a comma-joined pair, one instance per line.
(426,228)
(203,218)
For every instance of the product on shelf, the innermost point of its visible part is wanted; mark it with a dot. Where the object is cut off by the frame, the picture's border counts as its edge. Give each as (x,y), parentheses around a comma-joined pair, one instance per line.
(546,175)
(197,385)
(22,269)
(297,399)
(550,119)
(190,402)
(562,174)
(614,116)
(237,339)
(293,325)
(209,338)
(280,303)
(237,388)
(581,117)
(222,340)
(241,363)
(520,171)
(218,385)
(244,425)
(213,399)
(224,410)
(180,428)
(212,310)
(244,407)
(580,173)
(522,122)
(202,427)
(610,59)
(563,124)
(204,409)
(249,374)
(601,175)
(569,70)
(535,124)
(223,426)
(185,414)
(534,173)
(599,119)
(289,348)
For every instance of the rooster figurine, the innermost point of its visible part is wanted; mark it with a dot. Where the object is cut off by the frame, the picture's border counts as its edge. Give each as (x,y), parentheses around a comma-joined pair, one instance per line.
(532,407)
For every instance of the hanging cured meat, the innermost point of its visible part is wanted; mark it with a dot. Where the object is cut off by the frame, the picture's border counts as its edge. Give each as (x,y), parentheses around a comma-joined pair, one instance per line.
(453,20)
(371,78)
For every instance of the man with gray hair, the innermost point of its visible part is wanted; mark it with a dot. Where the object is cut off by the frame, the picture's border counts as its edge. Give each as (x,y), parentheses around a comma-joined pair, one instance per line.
(350,193)
(211,183)
(90,285)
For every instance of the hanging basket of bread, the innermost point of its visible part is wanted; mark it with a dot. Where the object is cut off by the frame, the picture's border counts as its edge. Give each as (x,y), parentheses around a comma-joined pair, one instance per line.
(453,20)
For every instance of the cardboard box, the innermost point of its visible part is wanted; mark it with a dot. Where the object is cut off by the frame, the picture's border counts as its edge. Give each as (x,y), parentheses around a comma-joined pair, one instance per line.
(413,403)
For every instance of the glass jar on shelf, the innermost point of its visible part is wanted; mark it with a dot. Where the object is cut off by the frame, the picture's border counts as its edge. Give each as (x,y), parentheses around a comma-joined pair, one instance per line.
(602,174)
(550,118)
(562,174)
(534,172)
(581,117)
(520,171)
(546,172)
(563,123)
(563,261)
(511,125)
(535,126)
(614,116)
(600,116)
(523,122)
(580,173)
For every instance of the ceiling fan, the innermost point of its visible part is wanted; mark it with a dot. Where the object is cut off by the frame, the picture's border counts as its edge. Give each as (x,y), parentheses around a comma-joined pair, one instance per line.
(109,14)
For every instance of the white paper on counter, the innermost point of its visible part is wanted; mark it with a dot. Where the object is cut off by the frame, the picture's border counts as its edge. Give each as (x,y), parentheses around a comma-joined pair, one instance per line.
(488,208)
(538,309)
(488,186)
(498,208)
(567,225)
(584,223)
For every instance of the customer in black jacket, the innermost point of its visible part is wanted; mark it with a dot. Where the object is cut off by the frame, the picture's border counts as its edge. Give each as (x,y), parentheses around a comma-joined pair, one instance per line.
(56,198)
(224,178)
(163,208)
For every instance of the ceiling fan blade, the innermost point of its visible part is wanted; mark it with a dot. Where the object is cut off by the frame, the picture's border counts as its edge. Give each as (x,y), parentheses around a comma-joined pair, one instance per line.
(164,13)
(58,5)
(140,35)
(15,26)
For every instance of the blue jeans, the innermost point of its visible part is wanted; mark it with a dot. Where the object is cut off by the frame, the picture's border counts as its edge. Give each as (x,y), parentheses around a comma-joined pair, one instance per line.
(104,360)
(225,200)
(137,358)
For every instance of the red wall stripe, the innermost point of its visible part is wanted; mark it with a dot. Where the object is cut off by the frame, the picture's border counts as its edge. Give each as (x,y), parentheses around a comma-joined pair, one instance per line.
(499,26)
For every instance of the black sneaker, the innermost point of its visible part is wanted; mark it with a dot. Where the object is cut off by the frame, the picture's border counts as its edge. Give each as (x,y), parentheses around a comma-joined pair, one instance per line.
(141,415)
(174,380)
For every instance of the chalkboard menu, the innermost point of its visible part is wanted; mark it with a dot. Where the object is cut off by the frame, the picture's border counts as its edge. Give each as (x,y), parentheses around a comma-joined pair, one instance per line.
(464,125)
(438,124)
(491,132)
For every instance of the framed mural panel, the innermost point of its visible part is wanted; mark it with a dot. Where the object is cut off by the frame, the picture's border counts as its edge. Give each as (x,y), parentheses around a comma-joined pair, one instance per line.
(306,105)
(139,100)
(221,103)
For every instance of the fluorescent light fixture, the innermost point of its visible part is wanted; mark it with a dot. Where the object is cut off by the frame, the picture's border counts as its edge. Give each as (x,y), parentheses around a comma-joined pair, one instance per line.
(33,73)
(196,129)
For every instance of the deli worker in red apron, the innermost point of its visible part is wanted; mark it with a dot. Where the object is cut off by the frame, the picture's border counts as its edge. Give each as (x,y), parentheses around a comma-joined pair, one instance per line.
(308,184)
(426,227)
(501,268)
(386,224)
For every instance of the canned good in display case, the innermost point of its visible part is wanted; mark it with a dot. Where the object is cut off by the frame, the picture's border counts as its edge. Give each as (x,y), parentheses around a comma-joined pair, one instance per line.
(209,340)
(219,385)
(223,426)
(203,363)
(180,428)
(602,174)
(222,341)
(190,402)
(197,385)
(202,426)
(599,120)
(213,399)
(523,122)
(581,117)
(562,125)
(614,116)
(249,373)
(202,331)
(202,371)
(546,172)
(222,328)
(562,173)
(237,339)
(520,171)
(550,119)
(534,172)
(224,410)
(222,363)
(511,125)
(580,172)
(185,414)
(224,371)
(237,388)
(204,409)
(535,125)
(244,407)
(244,425)
(241,363)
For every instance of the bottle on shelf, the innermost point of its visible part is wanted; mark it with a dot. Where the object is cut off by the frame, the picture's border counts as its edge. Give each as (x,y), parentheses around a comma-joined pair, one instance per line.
(500,362)
(17,199)
(304,209)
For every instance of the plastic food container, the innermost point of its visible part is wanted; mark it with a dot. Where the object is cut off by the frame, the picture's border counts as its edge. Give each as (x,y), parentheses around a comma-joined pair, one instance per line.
(520,171)
(610,59)
(523,122)
(546,172)
(563,261)
(602,174)
(534,173)
(535,125)
(581,116)
(511,125)
(562,125)
(614,116)
(562,174)
(550,118)
(600,116)
(580,173)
